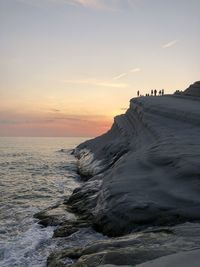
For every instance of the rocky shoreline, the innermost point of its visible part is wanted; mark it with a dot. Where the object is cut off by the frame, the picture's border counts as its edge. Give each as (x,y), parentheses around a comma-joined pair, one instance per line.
(141,189)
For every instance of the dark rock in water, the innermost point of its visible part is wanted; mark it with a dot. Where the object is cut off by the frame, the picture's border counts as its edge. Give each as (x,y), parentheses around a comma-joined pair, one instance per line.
(58,258)
(65,230)
(122,256)
(67,222)
(68,228)
(132,249)
(54,216)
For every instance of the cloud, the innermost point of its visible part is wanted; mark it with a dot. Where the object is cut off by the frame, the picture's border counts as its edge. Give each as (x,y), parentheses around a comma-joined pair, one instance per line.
(24,121)
(95,4)
(81,118)
(170,44)
(109,5)
(69,118)
(124,74)
(112,5)
(14,118)
(120,76)
(97,83)
(54,110)
(135,70)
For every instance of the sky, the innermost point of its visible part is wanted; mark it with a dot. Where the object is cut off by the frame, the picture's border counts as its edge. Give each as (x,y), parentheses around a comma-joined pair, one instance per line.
(67,67)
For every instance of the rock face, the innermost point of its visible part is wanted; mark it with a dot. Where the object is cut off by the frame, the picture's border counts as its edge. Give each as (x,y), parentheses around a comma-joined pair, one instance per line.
(133,249)
(182,259)
(148,164)
(142,182)
(193,90)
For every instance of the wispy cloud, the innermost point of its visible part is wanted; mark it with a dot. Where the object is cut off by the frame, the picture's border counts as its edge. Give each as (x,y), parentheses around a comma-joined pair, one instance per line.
(110,5)
(135,70)
(13,118)
(120,76)
(124,74)
(24,121)
(100,83)
(95,4)
(170,44)
(81,117)
(54,110)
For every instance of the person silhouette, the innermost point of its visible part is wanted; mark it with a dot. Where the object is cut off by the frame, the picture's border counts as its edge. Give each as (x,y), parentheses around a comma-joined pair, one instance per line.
(151,92)
(155,92)
(159,92)
(138,93)
(163,91)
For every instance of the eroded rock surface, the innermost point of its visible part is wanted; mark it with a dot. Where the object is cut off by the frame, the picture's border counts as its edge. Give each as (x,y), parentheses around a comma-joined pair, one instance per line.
(193,89)
(149,166)
(142,183)
(132,249)
(56,215)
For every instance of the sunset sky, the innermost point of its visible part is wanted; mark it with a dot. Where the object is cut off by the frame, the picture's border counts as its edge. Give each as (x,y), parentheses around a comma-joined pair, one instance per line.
(68,66)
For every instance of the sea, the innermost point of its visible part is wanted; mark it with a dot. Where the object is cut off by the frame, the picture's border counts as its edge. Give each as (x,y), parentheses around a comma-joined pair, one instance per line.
(35,173)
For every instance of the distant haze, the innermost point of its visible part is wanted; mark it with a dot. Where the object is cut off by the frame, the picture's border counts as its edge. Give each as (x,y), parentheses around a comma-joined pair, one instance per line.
(68,66)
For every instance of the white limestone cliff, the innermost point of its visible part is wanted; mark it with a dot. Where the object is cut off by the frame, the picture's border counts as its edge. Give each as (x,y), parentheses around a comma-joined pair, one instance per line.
(148,164)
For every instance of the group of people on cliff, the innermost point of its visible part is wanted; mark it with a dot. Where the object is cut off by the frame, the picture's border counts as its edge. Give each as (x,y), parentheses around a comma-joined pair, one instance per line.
(153,93)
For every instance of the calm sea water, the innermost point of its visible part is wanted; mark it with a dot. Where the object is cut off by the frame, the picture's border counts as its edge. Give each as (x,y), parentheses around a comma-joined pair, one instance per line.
(35,173)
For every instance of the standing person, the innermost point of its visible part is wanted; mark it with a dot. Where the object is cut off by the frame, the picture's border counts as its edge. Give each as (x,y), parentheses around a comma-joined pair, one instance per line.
(138,93)
(155,92)
(151,92)
(163,91)
(159,92)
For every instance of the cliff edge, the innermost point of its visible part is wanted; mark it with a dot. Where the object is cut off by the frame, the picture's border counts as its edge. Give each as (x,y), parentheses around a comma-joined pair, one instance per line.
(141,190)
(147,166)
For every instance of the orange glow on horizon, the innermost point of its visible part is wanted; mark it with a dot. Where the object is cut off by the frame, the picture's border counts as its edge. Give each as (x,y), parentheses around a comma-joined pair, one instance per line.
(57,129)
(60,78)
